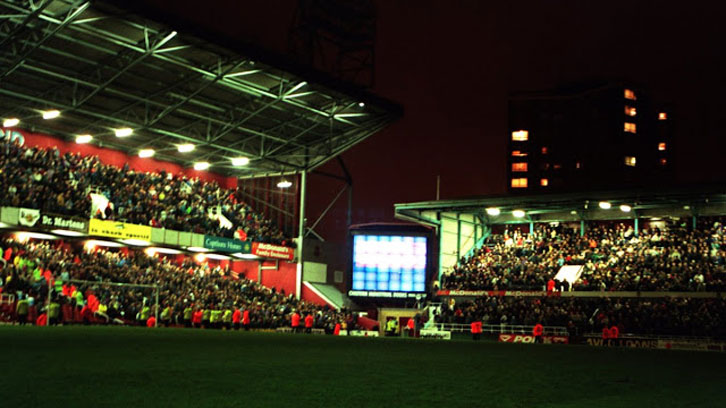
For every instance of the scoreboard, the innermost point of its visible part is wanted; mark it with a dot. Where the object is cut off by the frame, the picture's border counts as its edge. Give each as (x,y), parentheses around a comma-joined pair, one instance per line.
(385,265)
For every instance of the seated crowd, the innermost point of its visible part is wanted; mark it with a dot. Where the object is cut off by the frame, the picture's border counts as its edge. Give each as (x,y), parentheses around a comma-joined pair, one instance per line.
(185,290)
(656,316)
(674,258)
(44,179)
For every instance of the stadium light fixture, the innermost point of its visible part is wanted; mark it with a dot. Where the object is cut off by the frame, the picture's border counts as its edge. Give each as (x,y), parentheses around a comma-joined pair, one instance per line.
(519,213)
(51,114)
(605,205)
(245,256)
(200,257)
(218,257)
(123,132)
(3,225)
(10,122)
(162,250)
(24,236)
(144,153)
(136,242)
(83,139)
(91,243)
(240,161)
(197,249)
(185,148)
(493,211)
(67,233)
(201,166)
(625,208)
(362,104)
(284,184)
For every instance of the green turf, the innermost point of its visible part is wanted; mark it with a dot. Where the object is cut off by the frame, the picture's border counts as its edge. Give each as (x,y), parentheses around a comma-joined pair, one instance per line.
(134,367)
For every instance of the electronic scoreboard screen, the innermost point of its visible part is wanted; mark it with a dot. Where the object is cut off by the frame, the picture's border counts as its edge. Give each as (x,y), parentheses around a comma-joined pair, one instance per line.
(388,264)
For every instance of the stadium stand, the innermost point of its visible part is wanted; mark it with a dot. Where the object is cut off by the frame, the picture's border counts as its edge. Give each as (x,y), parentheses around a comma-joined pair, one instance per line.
(43,179)
(185,289)
(614,258)
(640,316)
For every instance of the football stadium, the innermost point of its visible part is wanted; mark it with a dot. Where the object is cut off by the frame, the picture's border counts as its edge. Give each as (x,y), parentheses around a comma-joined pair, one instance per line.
(162,228)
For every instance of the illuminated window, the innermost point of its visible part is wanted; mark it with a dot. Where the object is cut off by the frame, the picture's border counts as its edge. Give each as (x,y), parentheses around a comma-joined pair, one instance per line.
(519,183)
(544,150)
(517,153)
(663,162)
(630,161)
(557,166)
(578,165)
(630,127)
(630,111)
(661,146)
(662,116)
(520,136)
(544,182)
(629,94)
(519,166)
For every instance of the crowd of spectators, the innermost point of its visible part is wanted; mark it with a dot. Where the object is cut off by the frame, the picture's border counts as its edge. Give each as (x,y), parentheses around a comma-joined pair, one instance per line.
(614,258)
(656,316)
(184,288)
(45,179)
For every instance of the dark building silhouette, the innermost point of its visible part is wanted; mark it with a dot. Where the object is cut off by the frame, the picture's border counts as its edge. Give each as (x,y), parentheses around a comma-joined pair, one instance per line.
(593,138)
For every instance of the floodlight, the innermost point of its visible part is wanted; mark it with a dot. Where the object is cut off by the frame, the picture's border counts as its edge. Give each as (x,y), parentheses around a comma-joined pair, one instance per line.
(51,114)
(11,122)
(201,166)
(493,211)
(82,139)
(240,161)
(123,132)
(144,153)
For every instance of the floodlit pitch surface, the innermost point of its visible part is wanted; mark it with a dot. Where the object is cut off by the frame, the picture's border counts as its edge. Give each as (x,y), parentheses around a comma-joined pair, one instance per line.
(135,367)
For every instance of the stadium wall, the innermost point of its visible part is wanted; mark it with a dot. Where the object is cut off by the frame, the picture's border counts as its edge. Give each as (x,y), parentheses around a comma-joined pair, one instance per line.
(282,278)
(119,158)
(310,296)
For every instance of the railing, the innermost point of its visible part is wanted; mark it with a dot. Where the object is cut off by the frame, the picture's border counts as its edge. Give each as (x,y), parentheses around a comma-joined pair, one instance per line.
(502,328)
(670,337)
(7,298)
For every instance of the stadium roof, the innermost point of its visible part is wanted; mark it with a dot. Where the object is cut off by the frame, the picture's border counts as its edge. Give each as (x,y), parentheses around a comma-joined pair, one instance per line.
(106,68)
(654,202)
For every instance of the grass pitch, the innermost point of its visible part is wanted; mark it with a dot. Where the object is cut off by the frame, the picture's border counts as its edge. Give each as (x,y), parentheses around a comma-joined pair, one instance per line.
(136,367)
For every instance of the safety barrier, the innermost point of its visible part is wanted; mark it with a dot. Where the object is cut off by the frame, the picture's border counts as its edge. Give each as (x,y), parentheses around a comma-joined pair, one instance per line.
(502,328)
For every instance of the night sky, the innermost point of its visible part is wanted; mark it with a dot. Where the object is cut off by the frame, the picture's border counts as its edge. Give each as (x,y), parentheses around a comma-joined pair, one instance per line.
(452,64)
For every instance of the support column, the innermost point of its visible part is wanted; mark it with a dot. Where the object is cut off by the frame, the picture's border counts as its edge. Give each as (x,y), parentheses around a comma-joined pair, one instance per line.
(694,222)
(531,227)
(301,234)
(458,238)
(582,228)
(637,227)
(259,272)
(349,215)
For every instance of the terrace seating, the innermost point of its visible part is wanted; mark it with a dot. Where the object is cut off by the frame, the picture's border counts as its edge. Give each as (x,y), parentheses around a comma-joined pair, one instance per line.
(44,179)
(180,286)
(675,258)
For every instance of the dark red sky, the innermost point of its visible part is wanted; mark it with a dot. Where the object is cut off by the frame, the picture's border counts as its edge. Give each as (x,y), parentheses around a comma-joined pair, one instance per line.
(451,65)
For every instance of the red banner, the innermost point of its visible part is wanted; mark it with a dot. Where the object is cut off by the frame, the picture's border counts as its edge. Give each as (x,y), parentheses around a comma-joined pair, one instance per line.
(272,251)
(528,338)
(478,293)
